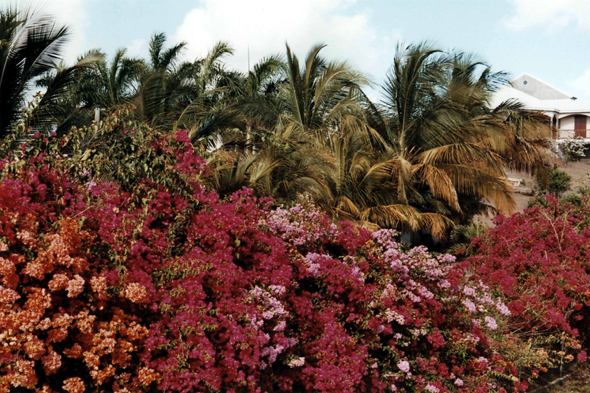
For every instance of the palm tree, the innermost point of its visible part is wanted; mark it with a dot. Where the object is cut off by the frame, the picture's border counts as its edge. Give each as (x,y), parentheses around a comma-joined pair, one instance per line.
(431,154)
(30,46)
(62,106)
(208,108)
(361,183)
(319,93)
(314,100)
(162,81)
(444,152)
(519,135)
(288,112)
(230,174)
(435,151)
(106,86)
(259,94)
(237,109)
(187,94)
(97,84)
(525,136)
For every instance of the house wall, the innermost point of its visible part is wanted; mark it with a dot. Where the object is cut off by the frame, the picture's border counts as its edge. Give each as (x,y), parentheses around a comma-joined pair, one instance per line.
(567,126)
(567,123)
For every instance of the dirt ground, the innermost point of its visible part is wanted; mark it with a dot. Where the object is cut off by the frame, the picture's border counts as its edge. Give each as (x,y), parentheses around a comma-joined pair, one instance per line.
(579,171)
(575,381)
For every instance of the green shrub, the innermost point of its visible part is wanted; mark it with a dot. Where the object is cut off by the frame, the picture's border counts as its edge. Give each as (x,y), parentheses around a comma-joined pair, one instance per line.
(555,182)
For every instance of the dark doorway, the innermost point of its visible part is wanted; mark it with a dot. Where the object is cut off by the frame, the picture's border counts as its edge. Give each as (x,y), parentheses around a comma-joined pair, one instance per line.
(580,126)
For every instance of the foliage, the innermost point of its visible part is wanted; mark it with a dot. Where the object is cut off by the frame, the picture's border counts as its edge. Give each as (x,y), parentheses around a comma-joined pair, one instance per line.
(30,47)
(431,154)
(109,85)
(445,150)
(175,94)
(122,269)
(556,181)
(537,262)
(463,235)
(149,282)
(417,333)
(426,157)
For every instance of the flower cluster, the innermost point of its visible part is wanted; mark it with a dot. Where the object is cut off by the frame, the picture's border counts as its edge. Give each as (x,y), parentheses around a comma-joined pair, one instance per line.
(404,310)
(152,283)
(537,262)
(573,149)
(51,319)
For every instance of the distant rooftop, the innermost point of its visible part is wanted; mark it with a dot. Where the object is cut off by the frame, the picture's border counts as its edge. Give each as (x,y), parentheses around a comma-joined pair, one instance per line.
(537,88)
(537,94)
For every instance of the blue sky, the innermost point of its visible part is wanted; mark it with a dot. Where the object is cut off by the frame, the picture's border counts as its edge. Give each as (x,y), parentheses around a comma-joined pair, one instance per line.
(549,39)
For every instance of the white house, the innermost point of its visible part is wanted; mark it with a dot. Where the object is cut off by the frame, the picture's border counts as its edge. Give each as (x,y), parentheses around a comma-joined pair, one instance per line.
(569,116)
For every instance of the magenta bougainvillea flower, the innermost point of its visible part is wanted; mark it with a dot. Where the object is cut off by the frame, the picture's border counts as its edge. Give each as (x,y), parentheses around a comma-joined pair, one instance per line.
(161,286)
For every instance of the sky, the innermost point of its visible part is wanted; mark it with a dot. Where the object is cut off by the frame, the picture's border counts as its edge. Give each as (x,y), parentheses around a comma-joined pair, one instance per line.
(549,39)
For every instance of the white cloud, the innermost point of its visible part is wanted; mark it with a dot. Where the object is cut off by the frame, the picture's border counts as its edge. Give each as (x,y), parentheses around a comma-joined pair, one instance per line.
(66,12)
(554,15)
(264,26)
(138,48)
(580,86)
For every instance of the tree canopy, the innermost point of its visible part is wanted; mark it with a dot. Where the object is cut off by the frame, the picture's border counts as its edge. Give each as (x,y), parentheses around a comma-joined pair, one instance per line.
(429,154)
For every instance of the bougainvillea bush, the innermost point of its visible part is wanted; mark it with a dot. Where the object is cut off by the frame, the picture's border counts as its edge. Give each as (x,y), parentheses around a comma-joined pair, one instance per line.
(538,263)
(140,280)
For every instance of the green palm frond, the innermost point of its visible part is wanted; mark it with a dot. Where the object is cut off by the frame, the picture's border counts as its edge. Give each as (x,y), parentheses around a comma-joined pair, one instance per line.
(42,115)
(31,47)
